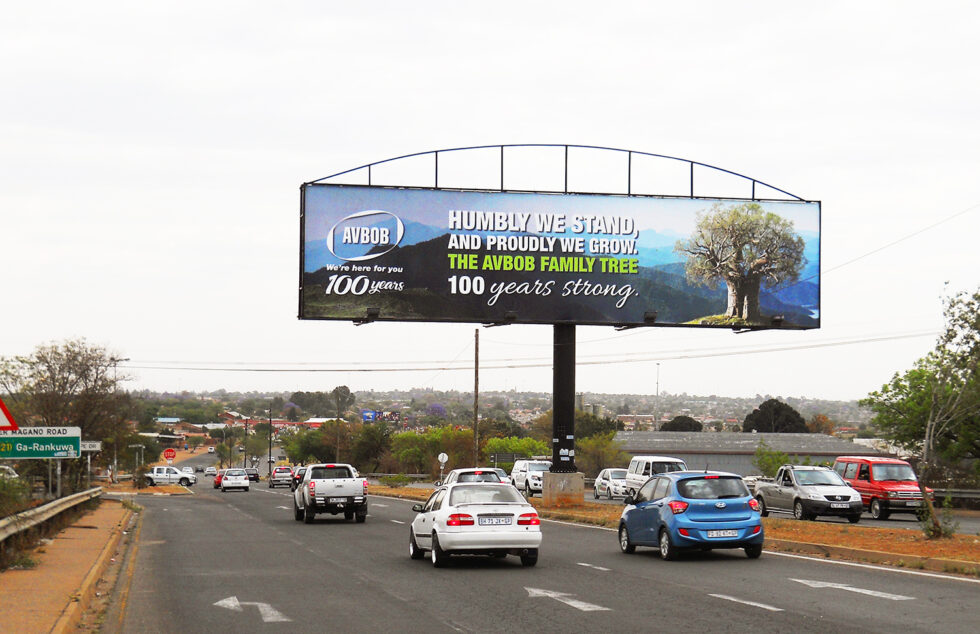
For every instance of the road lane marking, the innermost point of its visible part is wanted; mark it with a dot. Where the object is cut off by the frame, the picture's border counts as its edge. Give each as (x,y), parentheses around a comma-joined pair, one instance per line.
(872,567)
(564,598)
(397,522)
(268,613)
(283,507)
(384,506)
(744,602)
(844,586)
(593,566)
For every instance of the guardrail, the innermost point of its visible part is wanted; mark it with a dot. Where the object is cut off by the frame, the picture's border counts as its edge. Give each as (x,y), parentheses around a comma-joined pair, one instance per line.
(29,519)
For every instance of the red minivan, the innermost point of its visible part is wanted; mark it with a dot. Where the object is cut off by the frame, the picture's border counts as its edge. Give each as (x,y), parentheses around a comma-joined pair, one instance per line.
(886,485)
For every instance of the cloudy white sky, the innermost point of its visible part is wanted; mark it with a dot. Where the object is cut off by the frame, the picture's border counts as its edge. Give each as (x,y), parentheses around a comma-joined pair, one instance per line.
(151,156)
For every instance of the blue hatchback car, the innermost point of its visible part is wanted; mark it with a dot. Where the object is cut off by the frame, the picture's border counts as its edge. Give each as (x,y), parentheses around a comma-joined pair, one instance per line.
(700,510)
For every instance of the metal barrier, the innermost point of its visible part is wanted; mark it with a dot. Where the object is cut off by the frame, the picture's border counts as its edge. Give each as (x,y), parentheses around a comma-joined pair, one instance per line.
(26,520)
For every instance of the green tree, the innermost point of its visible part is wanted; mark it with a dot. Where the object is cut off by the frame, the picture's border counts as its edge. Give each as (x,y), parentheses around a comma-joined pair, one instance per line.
(598,452)
(743,246)
(934,408)
(682,423)
(768,460)
(774,416)
(372,443)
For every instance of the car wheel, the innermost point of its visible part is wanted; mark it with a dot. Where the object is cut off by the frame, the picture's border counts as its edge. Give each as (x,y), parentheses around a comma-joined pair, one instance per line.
(271,486)
(439,556)
(595,493)
(360,518)
(798,511)
(184,482)
(308,515)
(763,510)
(413,548)
(348,515)
(753,551)
(530,559)
(877,512)
(625,544)
(609,493)
(527,491)
(668,552)
(297,512)
(853,519)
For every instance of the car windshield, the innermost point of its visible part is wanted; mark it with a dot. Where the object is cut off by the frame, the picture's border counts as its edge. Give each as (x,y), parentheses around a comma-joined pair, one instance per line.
(712,488)
(485,494)
(667,467)
(235,472)
(617,474)
(818,477)
(329,473)
(484,476)
(895,472)
(539,466)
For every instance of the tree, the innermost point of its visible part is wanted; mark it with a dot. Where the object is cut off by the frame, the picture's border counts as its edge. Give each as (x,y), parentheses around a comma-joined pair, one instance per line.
(682,423)
(821,424)
(934,407)
(743,246)
(768,460)
(598,452)
(774,416)
(371,444)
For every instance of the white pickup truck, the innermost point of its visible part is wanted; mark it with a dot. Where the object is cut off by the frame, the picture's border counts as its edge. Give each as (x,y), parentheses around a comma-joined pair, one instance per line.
(331,488)
(169,475)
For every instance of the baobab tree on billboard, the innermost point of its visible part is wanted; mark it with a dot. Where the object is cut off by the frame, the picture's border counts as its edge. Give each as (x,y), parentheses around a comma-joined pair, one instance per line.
(744,246)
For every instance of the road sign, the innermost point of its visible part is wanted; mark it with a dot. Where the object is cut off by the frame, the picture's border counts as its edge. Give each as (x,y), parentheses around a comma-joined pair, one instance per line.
(91,445)
(41,442)
(7,422)
(170,454)
(443,458)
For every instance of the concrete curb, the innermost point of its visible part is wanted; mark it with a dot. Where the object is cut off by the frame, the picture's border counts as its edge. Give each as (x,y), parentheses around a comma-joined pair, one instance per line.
(892,559)
(72,614)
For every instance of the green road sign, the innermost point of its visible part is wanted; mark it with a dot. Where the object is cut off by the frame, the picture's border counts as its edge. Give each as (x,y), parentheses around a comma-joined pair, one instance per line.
(41,442)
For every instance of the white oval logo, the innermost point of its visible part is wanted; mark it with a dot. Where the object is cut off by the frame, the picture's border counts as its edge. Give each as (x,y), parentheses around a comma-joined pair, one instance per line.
(365,235)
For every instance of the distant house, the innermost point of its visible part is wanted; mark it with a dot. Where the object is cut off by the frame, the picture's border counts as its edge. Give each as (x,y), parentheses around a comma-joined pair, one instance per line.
(166,421)
(735,452)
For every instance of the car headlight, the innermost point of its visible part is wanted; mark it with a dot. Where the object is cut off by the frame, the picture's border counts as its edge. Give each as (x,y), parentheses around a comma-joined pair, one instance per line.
(893,494)
(815,496)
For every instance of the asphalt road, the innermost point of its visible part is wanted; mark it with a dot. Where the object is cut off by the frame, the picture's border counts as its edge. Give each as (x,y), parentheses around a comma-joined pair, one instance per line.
(239,562)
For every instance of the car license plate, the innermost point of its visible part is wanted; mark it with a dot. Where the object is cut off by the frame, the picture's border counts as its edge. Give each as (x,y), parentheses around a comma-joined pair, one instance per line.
(728,533)
(839,505)
(338,499)
(914,503)
(495,521)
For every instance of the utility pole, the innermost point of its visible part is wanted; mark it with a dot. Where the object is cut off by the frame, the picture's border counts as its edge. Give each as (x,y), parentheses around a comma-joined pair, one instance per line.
(269,461)
(476,398)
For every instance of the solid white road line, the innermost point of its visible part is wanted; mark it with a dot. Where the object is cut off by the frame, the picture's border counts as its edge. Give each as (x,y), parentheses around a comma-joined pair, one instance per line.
(752,603)
(593,566)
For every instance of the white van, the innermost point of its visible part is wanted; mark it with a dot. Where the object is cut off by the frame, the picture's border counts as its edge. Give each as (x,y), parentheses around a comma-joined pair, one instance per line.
(643,467)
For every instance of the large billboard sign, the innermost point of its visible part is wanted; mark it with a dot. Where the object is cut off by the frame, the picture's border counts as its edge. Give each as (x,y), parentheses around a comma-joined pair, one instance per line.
(397,254)
(41,442)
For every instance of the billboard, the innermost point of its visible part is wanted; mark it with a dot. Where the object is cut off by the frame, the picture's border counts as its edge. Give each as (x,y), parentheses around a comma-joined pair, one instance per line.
(398,254)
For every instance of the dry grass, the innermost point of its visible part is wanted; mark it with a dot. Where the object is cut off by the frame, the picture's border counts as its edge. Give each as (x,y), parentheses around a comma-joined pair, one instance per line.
(889,540)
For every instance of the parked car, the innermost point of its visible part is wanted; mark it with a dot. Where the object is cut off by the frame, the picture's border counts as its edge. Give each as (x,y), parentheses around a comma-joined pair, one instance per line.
(253,474)
(169,475)
(210,471)
(886,485)
(808,492)
(684,510)
(234,479)
(298,474)
(211,449)
(642,468)
(610,483)
(472,475)
(217,478)
(7,473)
(475,519)
(528,475)
(281,476)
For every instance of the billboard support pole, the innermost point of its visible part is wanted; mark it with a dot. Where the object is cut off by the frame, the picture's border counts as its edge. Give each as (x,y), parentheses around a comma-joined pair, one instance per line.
(563,405)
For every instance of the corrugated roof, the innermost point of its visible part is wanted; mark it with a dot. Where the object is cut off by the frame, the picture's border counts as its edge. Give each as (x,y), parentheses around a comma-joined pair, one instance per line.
(667,442)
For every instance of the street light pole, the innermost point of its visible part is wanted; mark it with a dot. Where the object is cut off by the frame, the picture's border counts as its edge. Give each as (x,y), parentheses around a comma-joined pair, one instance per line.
(245,446)
(269,461)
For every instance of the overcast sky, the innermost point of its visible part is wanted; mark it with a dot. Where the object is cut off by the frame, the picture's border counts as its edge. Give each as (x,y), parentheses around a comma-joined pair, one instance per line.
(151,156)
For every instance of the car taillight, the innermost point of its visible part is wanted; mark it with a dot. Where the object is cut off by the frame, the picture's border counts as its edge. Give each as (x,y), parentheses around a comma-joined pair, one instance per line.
(684,532)
(312,488)
(529,519)
(677,507)
(754,504)
(459,519)
(365,487)
(756,529)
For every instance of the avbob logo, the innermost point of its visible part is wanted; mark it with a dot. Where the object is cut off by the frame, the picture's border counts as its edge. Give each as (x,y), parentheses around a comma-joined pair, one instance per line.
(365,235)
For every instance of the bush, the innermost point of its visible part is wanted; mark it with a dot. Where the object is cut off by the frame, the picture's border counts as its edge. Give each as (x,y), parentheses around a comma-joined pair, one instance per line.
(947,523)
(395,481)
(15,496)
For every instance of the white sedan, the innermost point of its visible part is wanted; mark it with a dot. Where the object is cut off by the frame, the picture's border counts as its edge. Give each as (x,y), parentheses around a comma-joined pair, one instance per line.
(475,519)
(234,479)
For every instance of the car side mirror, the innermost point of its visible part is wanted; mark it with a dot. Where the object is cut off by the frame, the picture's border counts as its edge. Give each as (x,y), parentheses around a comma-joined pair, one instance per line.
(627,500)
(417,508)
(438,483)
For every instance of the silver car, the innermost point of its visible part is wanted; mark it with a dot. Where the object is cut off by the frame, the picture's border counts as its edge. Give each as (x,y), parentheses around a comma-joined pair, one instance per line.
(610,483)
